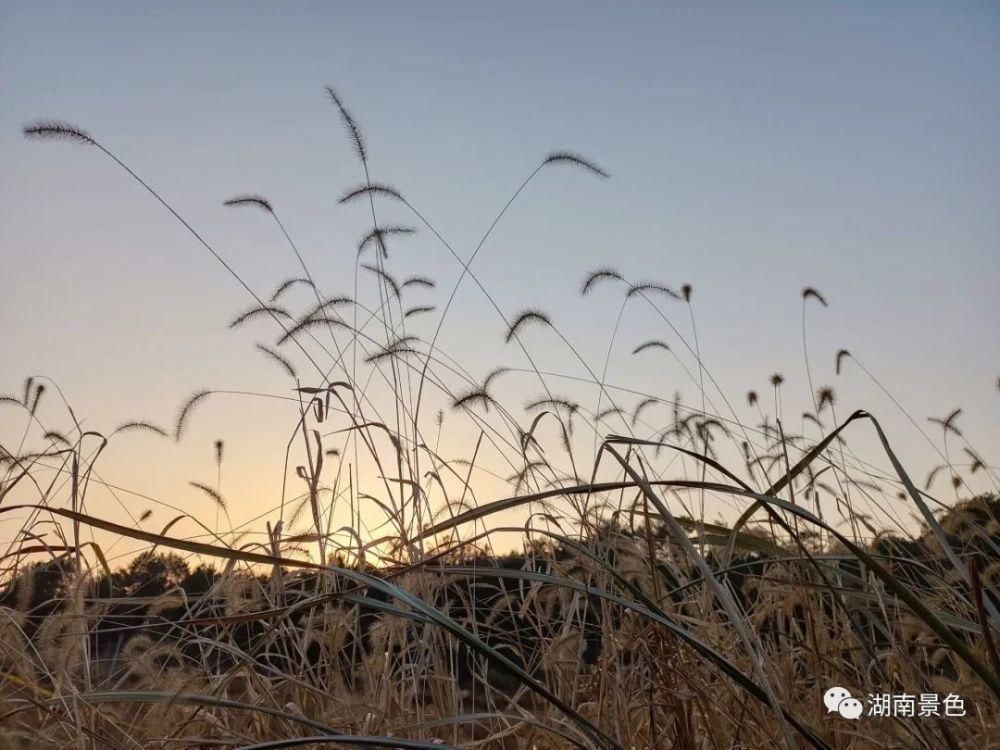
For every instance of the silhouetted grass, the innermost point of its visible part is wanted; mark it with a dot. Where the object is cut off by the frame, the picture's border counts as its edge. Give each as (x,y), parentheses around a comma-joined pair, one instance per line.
(373,608)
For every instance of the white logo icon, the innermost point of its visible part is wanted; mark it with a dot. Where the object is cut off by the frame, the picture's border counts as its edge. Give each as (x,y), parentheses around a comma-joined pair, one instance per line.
(850,708)
(839,699)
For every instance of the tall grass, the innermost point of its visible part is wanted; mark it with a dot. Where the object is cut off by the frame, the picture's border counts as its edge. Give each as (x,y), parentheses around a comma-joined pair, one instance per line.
(377,612)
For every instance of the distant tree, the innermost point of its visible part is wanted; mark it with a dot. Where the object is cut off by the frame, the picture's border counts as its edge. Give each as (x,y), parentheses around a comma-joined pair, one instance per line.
(152,573)
(200,580)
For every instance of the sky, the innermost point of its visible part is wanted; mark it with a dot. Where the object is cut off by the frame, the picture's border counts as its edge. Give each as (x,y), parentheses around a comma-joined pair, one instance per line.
(754,149)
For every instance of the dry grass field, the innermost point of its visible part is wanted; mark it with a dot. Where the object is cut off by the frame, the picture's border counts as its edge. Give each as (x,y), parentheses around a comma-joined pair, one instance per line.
(625,618)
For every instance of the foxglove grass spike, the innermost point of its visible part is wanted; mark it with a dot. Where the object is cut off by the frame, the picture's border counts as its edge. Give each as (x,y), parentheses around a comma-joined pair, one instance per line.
(388,353)
(808,416)
(378,236)
(55,436)
(825,397)
(140,426)
(185,412)
(601,274)
(39,392)
(493,375)
(258,312)
(326,304)
(250,200)
(569,157)
(947,423)
(421,281)
(309,324)
(476,396)
(349,124)
(385,276)
(610,411)
(287,284)
(418,310)
(810,292)
(281,360)
(481,394)
(214,495)
(651,344)
(649,286)
(364,191)
(398,347)
(29,383)
(556,402)
(57,130)
(976,461)
(932,474)
(523,318)
(840,359)
(640,407)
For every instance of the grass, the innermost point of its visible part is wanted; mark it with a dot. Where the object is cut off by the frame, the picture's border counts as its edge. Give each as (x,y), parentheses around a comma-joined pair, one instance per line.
(376,610)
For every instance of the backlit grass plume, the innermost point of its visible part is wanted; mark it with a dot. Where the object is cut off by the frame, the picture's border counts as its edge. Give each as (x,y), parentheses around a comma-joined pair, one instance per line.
(568,157)
(523,318)
(57,130)
(185,412)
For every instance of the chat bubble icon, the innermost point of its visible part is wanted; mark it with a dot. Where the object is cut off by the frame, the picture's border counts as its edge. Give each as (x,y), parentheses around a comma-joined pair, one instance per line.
(833,697)
(850,708)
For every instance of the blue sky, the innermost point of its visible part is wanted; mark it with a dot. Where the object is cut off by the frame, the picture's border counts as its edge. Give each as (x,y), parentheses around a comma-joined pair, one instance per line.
(754,149)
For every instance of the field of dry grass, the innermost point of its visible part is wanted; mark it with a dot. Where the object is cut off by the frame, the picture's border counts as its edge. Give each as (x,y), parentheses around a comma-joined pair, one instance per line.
(627,619)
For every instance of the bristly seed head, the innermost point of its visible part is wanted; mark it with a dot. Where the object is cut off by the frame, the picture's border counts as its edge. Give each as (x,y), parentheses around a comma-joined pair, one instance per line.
(810,292)
(523,318)
(568,157)
(840,358)
(372,189)
(186,411)
(287,284)
(378,236)
(651,345)
(276,357)
(777,379)
(57,130)
(642,287)
(256,312)
(215,496)
(418,281)
(601,274)
(352,127)
(39,391)
(250,200)
(948,423)
(141,426)
(825,397)
(385,276)
(418,310)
